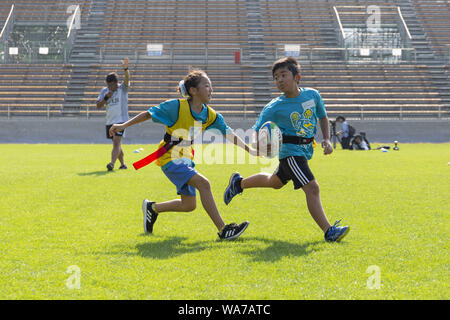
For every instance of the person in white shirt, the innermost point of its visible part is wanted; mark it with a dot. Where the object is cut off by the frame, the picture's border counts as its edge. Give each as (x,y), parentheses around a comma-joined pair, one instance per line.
(115,97)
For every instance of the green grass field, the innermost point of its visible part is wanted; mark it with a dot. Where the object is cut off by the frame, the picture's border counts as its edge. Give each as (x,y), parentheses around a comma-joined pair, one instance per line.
(60,208)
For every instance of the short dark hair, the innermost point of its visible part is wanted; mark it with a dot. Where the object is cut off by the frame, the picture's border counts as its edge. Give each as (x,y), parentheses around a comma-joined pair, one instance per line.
(289,62)
(340,118)
(112,77)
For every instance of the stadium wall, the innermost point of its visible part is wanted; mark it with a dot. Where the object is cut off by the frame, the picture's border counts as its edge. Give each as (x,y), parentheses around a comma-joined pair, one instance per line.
(75,130)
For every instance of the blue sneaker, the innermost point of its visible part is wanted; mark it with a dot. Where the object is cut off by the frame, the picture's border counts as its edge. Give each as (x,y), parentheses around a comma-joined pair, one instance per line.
(336,233)
(234,188)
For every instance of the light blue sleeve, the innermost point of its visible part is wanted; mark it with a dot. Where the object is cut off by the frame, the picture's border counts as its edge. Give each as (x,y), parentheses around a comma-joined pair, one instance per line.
(220,125)
(166,112)
(320,107)
(124,87)
(345,129)
(263,118)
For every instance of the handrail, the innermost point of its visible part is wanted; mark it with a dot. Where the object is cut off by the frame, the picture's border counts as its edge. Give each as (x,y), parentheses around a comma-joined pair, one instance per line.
(72,21)
(11,12)
(404,23)
(338,19)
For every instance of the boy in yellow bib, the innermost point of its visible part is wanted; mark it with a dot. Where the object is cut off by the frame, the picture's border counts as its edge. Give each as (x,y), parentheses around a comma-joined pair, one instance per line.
(182,117)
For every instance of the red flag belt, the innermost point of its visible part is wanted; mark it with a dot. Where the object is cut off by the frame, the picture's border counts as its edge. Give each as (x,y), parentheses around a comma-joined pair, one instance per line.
(158,153)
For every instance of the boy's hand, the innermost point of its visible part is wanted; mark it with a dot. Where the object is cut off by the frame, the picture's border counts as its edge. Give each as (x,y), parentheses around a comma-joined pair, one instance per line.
(115,128)
(109,94)
(327,148)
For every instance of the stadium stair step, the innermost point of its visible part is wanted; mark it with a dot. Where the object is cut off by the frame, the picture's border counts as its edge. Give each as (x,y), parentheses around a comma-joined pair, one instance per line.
(84,53)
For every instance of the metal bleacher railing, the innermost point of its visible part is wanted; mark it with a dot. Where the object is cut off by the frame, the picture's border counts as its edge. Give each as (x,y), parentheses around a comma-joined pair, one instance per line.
(5,32)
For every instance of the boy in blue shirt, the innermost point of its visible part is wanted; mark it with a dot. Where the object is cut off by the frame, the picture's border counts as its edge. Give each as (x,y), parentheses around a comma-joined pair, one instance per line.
(296,113)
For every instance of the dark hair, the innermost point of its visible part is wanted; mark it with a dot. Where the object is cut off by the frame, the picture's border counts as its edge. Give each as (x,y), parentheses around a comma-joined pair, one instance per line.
(288,62)
(192,79)
(340,118)
(112,77)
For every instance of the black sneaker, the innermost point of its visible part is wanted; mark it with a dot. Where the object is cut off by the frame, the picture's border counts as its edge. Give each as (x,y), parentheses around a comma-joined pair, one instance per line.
(110,167)
(150,216)
(124,166)
(233,230)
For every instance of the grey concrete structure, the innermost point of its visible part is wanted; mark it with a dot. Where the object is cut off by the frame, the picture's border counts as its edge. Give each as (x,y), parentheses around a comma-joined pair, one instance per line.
(78,130)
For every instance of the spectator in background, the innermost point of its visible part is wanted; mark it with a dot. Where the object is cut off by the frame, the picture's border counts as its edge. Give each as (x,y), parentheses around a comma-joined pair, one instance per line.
(346,134)
(115,97)
(359,143)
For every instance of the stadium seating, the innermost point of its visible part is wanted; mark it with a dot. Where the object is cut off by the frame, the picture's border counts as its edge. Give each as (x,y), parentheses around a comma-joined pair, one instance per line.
(33,89)
(229,96)
(185,28)
(435,18)
(207,34)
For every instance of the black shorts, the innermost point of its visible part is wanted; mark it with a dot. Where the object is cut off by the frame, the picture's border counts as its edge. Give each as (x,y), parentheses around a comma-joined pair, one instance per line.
(119,133)
(296,169)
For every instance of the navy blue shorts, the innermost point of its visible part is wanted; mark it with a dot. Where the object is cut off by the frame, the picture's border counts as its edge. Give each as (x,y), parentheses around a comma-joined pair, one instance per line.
(296,169)
(179,173)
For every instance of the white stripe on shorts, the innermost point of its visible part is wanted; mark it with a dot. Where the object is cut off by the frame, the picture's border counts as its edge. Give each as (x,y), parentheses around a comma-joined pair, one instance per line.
(297,171)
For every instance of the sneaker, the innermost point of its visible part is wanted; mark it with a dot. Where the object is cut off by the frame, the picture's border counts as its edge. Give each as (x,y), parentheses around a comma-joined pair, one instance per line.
(233,230)
(110,167)
(150,216)
(336,233)
(234,188)
(124,166)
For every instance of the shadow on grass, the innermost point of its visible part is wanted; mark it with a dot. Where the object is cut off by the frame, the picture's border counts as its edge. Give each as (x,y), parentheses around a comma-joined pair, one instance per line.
(274,251)
(270,251)
(169,248)
(277,249)
(95,173)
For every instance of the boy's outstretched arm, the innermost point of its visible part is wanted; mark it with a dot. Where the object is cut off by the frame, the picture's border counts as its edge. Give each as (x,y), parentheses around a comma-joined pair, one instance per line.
(232,137)
(141,117)
(326,143)
(125,63)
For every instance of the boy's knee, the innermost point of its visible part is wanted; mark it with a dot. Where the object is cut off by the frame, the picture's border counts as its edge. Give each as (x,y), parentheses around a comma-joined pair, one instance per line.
(277,186)
(312,187)
(275,182)
(204,184)
(188,207)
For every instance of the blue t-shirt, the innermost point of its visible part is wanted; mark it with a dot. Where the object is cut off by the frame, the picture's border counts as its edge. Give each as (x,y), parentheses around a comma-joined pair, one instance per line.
(167,113)
(295,117)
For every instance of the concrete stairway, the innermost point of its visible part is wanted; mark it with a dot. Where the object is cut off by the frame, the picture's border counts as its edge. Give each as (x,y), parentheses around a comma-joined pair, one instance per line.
(84,53)
(425,55)
(257,57)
